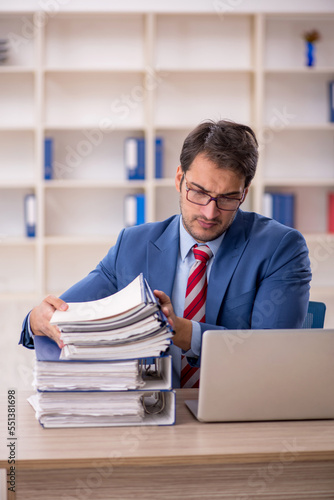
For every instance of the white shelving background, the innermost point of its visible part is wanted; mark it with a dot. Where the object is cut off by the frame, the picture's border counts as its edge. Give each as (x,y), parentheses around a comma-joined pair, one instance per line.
(91,80)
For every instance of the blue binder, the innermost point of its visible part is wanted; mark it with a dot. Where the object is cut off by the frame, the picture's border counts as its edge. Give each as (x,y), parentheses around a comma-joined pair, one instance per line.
(48,158)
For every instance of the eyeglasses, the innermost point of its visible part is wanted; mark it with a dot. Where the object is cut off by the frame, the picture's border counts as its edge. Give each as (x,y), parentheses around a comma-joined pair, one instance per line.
(228,203)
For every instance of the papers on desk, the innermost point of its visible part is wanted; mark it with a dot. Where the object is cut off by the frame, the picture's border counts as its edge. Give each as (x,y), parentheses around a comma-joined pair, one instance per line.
(96,409)
(113,369)
(85,376)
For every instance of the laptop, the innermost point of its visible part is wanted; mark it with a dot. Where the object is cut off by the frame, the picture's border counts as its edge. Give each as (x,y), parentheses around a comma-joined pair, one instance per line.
(257,375)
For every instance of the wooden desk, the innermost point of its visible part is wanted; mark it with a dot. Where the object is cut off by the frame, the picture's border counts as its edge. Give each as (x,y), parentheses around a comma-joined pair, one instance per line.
(240,461)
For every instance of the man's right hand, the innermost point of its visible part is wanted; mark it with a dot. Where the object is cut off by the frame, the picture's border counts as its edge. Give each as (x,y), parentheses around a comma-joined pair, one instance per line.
(41,315)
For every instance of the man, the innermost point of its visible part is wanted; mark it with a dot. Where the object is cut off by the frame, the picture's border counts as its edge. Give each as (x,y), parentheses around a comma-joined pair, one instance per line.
(257,277)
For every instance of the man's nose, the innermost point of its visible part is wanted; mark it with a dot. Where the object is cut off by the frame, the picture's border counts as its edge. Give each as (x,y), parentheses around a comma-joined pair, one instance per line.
(210,211)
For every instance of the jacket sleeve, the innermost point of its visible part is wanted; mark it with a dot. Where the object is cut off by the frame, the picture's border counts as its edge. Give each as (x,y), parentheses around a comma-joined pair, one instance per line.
(99,283)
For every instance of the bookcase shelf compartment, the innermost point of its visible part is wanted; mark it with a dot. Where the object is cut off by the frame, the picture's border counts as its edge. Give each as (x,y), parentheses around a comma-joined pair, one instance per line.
(95,42)
(12,212)
(64,267)
(19,274)
(19,30)
(203,98)
(84,212)
(285,46)
(299,154)
(94,100)
(90,155)
(297,98)
(17,155)
(17,100)
(187,42)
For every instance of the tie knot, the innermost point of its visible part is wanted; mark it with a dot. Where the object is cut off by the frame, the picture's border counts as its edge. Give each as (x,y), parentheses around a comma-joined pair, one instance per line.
(202,253)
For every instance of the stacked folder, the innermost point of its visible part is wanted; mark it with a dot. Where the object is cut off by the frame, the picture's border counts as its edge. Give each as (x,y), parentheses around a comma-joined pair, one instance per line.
(113,369)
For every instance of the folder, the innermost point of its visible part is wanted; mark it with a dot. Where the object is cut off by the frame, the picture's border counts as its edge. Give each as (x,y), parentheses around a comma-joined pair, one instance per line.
(135,408)
(30,215)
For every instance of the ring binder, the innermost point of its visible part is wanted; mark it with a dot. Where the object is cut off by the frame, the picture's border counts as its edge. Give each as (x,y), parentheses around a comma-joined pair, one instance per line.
(159,403)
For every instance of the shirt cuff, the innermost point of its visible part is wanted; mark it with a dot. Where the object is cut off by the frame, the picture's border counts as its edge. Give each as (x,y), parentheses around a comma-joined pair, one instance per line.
(29,328)
(196,340)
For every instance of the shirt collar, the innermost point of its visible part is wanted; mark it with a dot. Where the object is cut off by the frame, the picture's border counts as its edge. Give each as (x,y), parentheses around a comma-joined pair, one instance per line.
(187,242)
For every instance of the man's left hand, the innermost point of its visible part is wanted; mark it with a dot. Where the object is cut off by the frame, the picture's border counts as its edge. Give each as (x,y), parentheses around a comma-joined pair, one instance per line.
(182,327)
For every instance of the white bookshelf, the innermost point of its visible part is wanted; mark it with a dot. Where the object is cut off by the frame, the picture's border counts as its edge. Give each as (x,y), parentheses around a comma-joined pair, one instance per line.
(91,79)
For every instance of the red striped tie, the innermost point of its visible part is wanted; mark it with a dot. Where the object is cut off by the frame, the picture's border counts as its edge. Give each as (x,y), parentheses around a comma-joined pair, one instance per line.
(194,306)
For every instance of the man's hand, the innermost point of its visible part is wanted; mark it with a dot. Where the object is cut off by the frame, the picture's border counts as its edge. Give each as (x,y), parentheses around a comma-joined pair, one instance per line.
(182,327)
(40,318)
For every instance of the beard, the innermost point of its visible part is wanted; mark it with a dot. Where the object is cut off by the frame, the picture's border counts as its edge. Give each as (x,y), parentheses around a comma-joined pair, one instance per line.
(193,224)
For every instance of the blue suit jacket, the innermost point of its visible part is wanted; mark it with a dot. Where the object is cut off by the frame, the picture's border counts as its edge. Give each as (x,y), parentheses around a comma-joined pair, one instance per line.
(259,278)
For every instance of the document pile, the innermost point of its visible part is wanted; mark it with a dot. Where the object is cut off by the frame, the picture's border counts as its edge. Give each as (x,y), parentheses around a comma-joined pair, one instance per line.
(113,369)
(126,325)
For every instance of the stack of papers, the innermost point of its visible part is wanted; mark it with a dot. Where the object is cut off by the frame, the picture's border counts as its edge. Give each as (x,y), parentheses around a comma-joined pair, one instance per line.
(113,369)
(86,376)
(92,409)
(126,325)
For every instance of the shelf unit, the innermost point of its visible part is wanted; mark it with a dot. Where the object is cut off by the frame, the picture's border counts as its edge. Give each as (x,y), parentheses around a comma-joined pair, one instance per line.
(89,80)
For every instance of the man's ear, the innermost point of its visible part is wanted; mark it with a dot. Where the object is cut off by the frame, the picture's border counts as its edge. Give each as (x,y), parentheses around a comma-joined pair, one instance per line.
(245,195)
(178,178)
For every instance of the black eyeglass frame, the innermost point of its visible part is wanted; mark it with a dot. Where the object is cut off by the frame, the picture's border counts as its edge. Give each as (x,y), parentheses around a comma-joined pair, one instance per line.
(210,198)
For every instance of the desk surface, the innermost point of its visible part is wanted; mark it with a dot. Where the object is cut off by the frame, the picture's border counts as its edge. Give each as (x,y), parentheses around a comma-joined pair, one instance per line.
(187,442)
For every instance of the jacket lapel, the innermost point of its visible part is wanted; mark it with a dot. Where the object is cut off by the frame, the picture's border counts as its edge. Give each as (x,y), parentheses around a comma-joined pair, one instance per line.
(162,258)
(228,256)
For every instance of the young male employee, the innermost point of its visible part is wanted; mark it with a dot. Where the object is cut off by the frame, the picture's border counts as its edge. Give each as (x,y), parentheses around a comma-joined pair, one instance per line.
(257,271)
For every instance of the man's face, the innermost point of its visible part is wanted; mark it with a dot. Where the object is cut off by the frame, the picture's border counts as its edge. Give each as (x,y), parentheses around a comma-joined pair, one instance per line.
(206,223)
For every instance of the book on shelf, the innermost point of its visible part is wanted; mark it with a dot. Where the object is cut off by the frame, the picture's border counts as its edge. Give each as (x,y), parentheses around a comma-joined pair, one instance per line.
(331,101)
(4,49)
(30,215)
(281,207)
(113,369)
(331,212)
(134,209)
(135,158)
(48,158)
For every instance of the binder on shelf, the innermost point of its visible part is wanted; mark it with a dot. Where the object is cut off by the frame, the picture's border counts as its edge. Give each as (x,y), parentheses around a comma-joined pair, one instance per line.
(281,207)
(331,212)
(159,154)
(135,158)
(30,215)
(331,101)
(134,209)
(48,158)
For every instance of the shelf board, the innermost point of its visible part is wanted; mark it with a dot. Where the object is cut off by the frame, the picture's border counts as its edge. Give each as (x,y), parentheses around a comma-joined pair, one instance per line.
(314,70)
(91,126)
(174,70)
(17,184)
(93,183)
(80,240)
(13,241)
(168,182)
(64,70)
(17,69)
(302,126)
(315,237)
(17,128)
(299,182)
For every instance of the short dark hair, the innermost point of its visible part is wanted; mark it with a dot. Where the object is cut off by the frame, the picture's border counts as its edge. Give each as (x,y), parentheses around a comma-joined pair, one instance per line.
(228,144)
